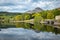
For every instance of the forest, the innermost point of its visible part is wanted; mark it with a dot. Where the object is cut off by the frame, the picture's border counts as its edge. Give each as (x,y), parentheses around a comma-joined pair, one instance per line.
(37,16)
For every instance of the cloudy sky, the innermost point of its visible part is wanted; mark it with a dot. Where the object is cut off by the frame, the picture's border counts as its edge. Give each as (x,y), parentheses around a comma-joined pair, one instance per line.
(24,5)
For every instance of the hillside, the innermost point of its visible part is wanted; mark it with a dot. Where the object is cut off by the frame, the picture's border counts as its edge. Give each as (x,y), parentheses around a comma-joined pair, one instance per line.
(37,9)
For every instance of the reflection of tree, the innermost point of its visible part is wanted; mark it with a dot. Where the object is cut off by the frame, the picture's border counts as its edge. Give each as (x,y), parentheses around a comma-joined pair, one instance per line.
(49,28)
(27,26)
(37,27)
(56,31)
(23,25)
(19,25)
(43,27)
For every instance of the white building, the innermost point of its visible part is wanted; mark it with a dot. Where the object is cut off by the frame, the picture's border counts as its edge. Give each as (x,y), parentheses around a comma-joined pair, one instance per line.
(57,17)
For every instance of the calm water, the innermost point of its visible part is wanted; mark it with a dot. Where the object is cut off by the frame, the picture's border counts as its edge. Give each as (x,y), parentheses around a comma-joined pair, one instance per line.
(26,31)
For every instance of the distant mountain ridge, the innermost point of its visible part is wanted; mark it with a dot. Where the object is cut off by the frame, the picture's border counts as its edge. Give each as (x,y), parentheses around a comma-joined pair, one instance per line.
(37,9)
(58,8)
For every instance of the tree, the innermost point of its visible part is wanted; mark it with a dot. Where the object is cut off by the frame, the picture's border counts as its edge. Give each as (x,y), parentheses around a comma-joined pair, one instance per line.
(50,15)
(18,18)
(26,16)
(44,14)
(56,12)
(37,18)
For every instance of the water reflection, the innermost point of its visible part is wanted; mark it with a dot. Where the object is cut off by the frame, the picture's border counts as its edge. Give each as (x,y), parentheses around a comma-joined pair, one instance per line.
(37,27)
(27,31)
(25,34)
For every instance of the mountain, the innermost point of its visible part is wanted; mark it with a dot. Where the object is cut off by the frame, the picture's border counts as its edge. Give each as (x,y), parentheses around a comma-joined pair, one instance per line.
(58,8)
(37,9)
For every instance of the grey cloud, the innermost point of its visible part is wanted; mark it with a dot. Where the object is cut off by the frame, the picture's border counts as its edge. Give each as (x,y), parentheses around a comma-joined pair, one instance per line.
(23,5)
